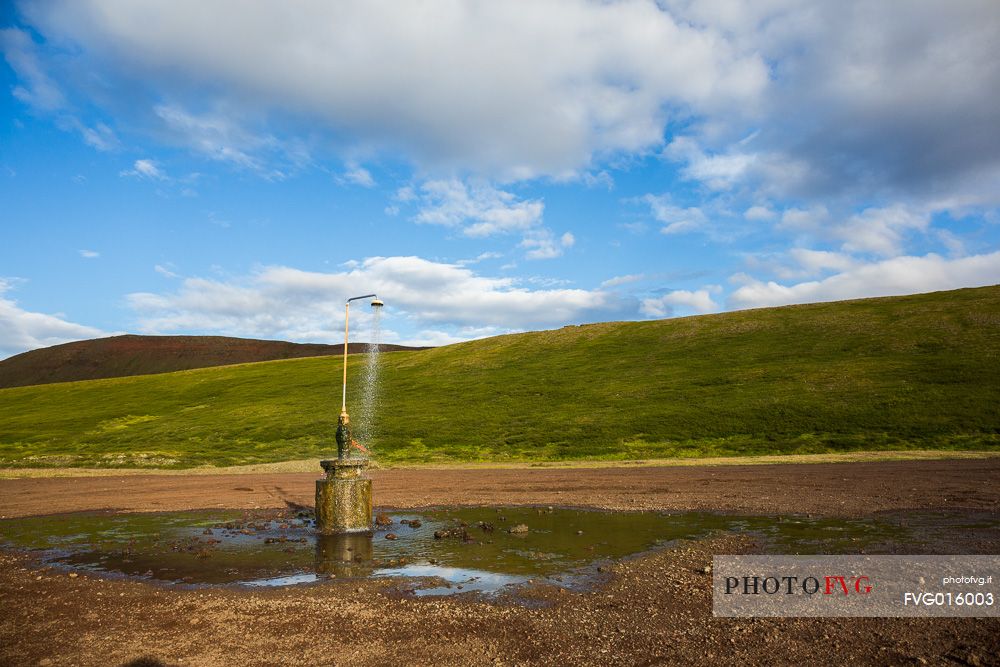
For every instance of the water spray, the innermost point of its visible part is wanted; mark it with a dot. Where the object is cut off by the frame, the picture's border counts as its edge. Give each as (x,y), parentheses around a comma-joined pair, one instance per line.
(344,497)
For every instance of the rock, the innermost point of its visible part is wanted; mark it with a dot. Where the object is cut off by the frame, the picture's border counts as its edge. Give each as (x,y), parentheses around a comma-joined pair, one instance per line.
(73,575)
(390,536)
(415,523)
(383,519)
(486,527)
(579,532)
(518,529)
(440,534)
(44,662)
(195,621)
(707,569)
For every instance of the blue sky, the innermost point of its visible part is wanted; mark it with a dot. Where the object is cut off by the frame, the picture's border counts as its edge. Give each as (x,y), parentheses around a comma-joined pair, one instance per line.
(194,167)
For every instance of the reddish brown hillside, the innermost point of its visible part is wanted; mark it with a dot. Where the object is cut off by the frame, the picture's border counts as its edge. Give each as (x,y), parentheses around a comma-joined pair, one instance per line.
(119,356)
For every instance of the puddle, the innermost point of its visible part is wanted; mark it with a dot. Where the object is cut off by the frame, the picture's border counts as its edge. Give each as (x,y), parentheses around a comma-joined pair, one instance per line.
(439,551)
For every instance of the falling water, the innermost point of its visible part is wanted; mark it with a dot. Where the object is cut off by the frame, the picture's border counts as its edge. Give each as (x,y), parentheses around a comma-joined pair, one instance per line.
(366,427)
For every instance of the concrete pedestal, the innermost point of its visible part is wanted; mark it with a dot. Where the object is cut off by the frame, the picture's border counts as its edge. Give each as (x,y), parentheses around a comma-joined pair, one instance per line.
(344,498)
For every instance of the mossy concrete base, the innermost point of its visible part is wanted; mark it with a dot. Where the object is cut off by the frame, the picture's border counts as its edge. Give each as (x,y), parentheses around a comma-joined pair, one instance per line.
(344,498)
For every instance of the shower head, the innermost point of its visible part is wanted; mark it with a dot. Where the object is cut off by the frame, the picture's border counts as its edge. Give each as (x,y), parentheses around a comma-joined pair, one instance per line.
(376,303)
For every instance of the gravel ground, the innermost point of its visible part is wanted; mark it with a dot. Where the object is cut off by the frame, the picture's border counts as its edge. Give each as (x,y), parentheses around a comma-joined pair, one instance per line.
(653,610)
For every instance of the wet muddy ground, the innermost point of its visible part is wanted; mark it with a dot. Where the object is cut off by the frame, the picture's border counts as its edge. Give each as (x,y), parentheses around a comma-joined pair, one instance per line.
(651,609)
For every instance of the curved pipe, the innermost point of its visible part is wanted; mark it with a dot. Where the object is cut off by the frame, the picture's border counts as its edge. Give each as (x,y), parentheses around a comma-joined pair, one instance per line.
(347,316)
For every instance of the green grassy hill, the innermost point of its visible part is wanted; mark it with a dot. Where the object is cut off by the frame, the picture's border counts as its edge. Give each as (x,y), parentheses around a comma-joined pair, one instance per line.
(896,373)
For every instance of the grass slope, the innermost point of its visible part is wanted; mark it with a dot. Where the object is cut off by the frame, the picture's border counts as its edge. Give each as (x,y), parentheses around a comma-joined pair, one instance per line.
(915,372)
(120,356)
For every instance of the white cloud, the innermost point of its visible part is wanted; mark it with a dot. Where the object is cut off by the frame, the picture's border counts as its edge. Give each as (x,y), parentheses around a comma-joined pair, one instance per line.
(865,98)
(298,305)
(38,90)
(22,330)
(89,254)
(505,89)
(220,135)
(357,175)
(100,136)
(165,271)
(799,219)
(481,257)
(718,172)
(479,209)
(890,277)
(697,301)
(542,244)
(623,280)
(881,230)
(145,168)
(759,213)
(814,261)
(675,219)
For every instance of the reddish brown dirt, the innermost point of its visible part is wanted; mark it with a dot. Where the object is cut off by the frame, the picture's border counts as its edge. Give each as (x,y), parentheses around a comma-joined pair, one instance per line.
(119,356)
(836,489)
(656,610)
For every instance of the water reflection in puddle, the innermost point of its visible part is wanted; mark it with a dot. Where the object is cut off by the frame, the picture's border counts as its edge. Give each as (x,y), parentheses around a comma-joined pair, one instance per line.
(439,551)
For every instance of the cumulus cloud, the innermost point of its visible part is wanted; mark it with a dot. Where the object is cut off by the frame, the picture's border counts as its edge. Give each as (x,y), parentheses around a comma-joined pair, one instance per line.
(479,209)
(865,97)
(289,303)
(542,244)
(890,277)
(22,330)
(506,89)
(881,230)
(697,301)
(718,172)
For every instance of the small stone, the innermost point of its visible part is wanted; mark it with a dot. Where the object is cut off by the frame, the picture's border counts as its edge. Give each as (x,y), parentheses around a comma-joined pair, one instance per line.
(358,589)
(390,536)
(383,519)
(519,528)
(415,523)
(45,661)
(333,576)
(73,575)
(707,569)
(579,532)
(195,621)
